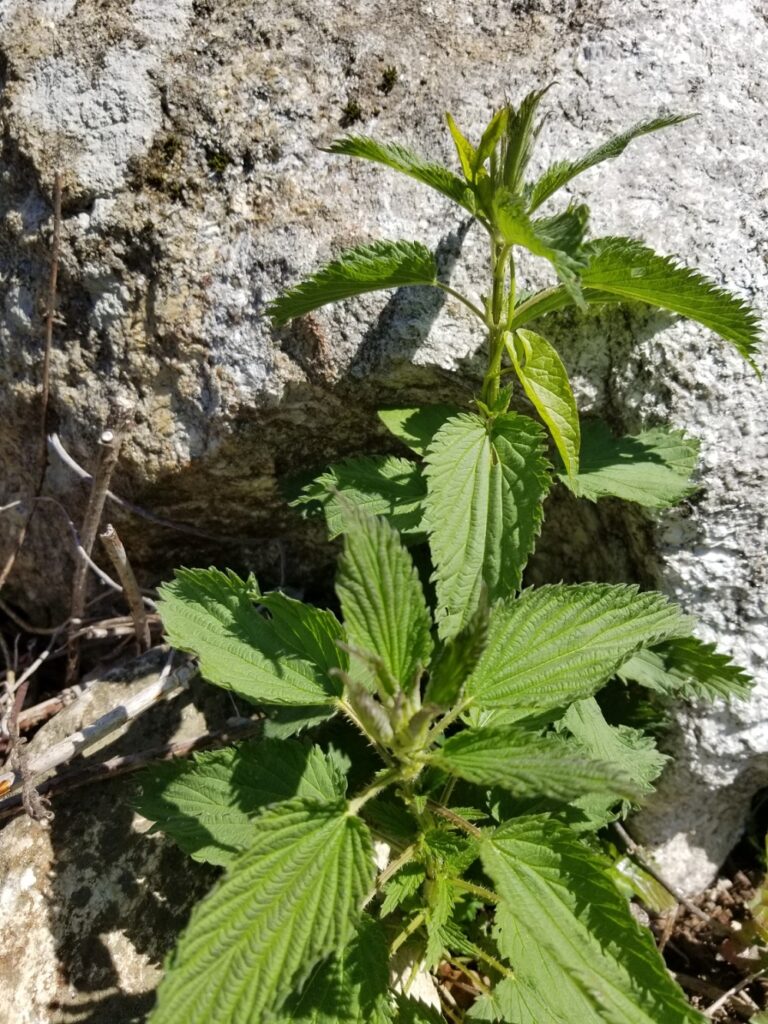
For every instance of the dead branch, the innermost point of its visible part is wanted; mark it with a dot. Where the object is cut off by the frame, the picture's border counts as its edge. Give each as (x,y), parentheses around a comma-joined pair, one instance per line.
(50,314)
(236,729)
(118,557)
(110,449)
(168,683)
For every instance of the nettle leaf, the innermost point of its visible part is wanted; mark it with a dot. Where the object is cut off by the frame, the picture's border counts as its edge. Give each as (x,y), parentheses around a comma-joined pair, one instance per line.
(399,158)
(545,382)
(352,987)
(456,658)
(557,239)
(211,614)
(497,127)
(382,485)
(464,148)
(623,269)
(292,899)
(689,668)
(440,902)
(417,426)
(367,268)
(485,486)
(561,173)
(563,925)
(521,1001)
(652,469)
(383,603)
(414,1011)
(531,765)
(521,133)
(208,804)
(556,644)
(628,751)
(406,883)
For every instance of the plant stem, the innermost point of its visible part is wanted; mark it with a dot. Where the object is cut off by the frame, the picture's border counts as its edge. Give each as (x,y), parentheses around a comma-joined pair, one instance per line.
(500,259)
(407,932)
(385,780)
(462,298)
(477,890)
(455,819)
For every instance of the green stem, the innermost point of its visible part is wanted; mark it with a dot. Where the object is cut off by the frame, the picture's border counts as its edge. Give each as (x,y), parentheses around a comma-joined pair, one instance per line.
(407,932)
(462,298)
(500,261)
(477,890)
(454,819)
(445,721)
(385,780)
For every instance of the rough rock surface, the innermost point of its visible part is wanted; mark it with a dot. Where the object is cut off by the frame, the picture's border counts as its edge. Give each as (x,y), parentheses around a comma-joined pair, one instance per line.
(92,905)
(188,133)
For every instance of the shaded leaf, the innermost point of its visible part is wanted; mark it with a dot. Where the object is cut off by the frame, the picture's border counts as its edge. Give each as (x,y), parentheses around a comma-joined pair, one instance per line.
(652,469)
(380,485)
(211,614)
(455,660)
(464,149)
(417,426)
(406,883)
(367,268)
(485,486)
(687,667)
(292,899)
(208,804)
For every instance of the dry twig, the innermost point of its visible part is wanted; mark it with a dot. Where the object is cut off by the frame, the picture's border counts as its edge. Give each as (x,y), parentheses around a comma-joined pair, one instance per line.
(119,558)
(237,729)
(50,314)
(168,683)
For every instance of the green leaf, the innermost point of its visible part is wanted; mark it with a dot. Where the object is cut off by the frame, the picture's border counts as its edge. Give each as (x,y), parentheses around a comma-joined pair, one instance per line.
(561,173)
(367,268)
(464,148)
(414,1011)
(208,804)
(497,127)
(623,269)
(440,901)
(383,602)
(520,1001)
(292,899)
(382,485)
(406,883)
(570,935)
(455,660)
(652,469)
(521,133)
(350,988)
(407,162)
(689,668)
(545,382)
(557,239)
(628,751)
(531,765)
(211,614)
(556,644)
(485,486)
(417,426)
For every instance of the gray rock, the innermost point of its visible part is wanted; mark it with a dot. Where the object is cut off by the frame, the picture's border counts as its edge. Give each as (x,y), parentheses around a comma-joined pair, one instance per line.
(187,134)
(93,904)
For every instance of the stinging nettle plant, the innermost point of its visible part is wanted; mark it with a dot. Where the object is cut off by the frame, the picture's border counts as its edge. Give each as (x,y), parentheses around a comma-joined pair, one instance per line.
(489,766)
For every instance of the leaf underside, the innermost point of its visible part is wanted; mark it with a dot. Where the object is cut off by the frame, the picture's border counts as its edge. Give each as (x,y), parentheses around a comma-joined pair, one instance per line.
(417,425)
(292,899)
(569,934)
(485,486)
(366,268)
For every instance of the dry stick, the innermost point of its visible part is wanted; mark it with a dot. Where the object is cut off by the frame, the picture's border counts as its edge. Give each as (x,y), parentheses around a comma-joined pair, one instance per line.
(636,852)
(55,443)
(238,729)
(116,552)
(169,682)
(50,313)
(110,449)
(31,801)
(718,1004)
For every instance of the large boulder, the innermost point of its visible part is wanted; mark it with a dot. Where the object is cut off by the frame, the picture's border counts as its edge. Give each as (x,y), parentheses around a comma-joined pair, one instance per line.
(188,134)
